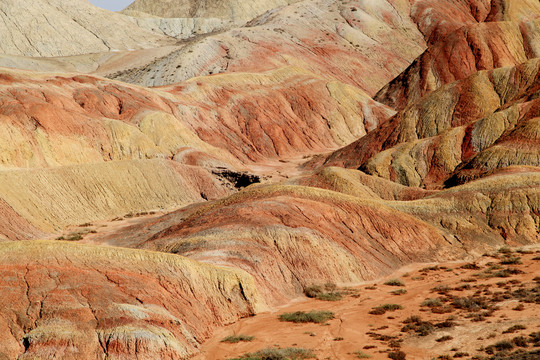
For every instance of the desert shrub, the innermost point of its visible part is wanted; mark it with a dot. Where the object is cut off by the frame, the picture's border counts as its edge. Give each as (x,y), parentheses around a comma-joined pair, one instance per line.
(331,296)
(445,324)
(470,303)
(394,282)
(531,295)
(306,317)
(504,250)
(377,311)
(413,319)
(429,302)
(511,260)
(279,354)
(470,266)
(74,237)
(507,272)
(430,268)
(397,355)
(513,329)
(380,310)
(442,309)
(415,323)
(504,345)
(444,338)
(313,290)
(520,341)
(237,338)
(398,292)
(326,292)
(460,354)
(534,338)
(441,289)
(361,355)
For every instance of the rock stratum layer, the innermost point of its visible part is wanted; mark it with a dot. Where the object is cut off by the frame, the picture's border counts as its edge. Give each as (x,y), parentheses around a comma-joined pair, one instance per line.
(234,10)
(72,27)
(384,133)
(79,301)
(460,127)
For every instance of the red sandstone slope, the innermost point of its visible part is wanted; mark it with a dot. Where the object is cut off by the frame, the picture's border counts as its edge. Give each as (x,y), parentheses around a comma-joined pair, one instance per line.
(364,44)
(299,83)
(204,126)
(69,301)
(464,37)
(423,144)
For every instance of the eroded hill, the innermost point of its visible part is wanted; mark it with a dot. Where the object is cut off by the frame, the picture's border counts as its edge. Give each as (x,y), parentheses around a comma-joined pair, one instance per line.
(289,144)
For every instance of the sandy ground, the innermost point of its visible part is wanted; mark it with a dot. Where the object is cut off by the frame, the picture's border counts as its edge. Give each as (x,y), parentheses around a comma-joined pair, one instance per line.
(350,331)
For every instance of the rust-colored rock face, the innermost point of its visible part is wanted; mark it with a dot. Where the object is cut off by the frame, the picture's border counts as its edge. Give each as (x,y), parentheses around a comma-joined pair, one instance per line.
(365,44)
(285,144)
(86,302)
(463,125)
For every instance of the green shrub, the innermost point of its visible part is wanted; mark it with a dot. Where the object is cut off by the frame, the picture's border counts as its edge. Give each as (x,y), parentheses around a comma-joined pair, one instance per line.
(504,345)
(444,338)
(377,311)
(429,302)
(313,290)
(394,282)
(72,237)
(306,317)
(511,260)
(513,329)
(361,355)
(398,292)
(380,310)
(279,354)
(470,303)
(327,292)
(505,250)
(331,296)
(237,338)
(520,341)
(397,355)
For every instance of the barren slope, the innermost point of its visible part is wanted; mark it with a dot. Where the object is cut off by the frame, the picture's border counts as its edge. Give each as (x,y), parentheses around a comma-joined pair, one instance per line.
(68,27)
(477,309)
(423,144)
(86,302)
(344,42)
(235,10)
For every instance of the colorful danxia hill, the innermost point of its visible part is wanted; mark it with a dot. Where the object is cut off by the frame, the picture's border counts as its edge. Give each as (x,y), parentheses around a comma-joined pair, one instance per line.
(279,179)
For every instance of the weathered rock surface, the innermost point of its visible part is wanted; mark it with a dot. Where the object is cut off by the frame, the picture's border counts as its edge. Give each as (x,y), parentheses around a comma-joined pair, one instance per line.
(296,81)
(289,237)
(469,49)
(280,113)
(66,119)
(68,27)
(71,301)
(51,199)
(235,10)
(180,28)
(426,142)
(339,41)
